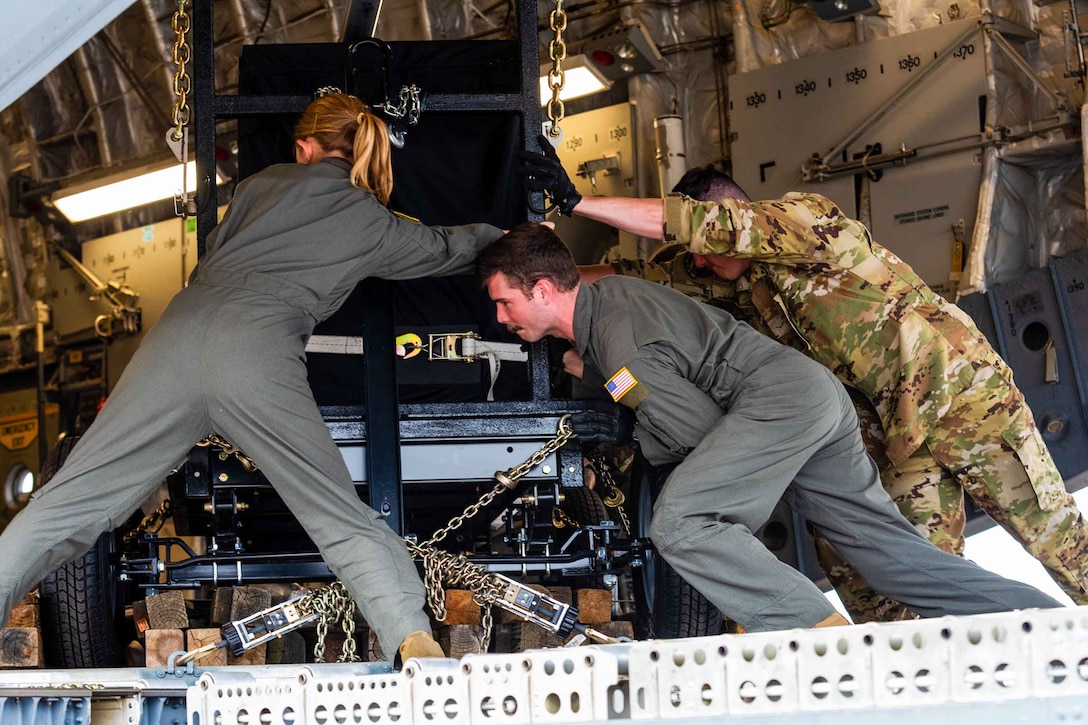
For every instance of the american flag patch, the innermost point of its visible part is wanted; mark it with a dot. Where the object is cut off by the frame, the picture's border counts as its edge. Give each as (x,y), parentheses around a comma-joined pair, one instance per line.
(620,383)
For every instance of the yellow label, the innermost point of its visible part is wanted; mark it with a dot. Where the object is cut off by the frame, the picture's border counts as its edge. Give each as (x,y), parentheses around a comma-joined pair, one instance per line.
(75,356)
(20,430)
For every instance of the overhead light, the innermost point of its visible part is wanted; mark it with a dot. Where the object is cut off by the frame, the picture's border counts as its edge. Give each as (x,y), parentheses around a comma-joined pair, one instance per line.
(624,51)
(580,78)
(115,194)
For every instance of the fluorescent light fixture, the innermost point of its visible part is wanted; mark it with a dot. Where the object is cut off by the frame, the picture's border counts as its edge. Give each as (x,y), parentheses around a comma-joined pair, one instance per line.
(581,78)
(107,198)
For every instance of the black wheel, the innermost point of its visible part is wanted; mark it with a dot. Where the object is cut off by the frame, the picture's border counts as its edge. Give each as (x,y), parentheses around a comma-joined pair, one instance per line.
(584,506)
(82,603)
(667,607)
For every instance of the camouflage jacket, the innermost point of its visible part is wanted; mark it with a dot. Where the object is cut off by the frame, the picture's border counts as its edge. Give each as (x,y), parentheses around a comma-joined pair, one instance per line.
(820,284)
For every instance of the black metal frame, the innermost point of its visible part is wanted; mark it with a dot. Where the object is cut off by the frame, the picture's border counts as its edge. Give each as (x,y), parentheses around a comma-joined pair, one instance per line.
(385,423)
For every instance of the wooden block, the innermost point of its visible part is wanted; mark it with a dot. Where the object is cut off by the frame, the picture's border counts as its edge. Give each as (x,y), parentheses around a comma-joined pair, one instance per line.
(195,638)
(594,605)
(221,605)
(506,638)
(20,647)
(279,593)
(26,613)
(534,636)
(374,648)
(134,654)
(167,611)
(458,640)
(139,617)
(561,594)
(615,629)
(460,609)
(293,649)
(159,644)
(256,656)
(246,601)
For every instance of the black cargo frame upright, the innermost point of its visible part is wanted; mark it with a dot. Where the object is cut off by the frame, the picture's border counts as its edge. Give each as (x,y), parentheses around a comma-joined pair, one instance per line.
(385,424)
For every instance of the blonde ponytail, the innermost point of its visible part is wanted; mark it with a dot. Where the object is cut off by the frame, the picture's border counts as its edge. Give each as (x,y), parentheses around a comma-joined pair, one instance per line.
(373,169)
(342,123)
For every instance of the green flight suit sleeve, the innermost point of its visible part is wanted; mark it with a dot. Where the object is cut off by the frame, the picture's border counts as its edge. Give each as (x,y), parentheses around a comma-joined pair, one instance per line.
(797,228)
(409,250)
(673,413)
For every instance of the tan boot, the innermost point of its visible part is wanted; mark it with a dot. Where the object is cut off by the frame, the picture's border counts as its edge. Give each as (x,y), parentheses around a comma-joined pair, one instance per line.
(834,620)
(419,644)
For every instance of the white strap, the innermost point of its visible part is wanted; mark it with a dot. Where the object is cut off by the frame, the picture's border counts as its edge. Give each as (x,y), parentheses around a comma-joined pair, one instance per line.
(472,347)
(335,344)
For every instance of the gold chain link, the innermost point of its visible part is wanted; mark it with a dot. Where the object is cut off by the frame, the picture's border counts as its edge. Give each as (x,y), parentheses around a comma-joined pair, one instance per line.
(439,566)
(611,494)
(331,604)
(557,51)
(226,450)
(182,82)
(508,479)
(153,522)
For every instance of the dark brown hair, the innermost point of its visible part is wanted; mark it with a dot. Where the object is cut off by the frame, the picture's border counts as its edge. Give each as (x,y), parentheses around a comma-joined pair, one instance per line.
(341,122)
(708,184)
(528,254)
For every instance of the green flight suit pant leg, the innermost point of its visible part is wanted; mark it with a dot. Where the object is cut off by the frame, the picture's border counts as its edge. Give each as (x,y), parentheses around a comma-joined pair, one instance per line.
(270,414)
(231,362)
(150,421)
(790,423)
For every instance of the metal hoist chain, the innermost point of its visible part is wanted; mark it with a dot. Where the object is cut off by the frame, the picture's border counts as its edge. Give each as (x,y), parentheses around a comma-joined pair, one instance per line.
(152,522)
(557,51)
(227,450)
(611,494)
(331,604)
(182,82)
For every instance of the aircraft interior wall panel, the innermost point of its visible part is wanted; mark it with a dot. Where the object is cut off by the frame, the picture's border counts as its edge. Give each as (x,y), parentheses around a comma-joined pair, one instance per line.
(148,260)
(783,115)
(593,136)
(1034,343)
(1071,284)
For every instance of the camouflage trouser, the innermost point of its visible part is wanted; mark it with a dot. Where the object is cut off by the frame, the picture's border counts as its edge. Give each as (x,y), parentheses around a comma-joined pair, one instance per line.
(988,446)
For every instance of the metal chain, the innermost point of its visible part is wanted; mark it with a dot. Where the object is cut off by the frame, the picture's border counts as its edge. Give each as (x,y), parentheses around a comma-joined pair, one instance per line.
(557,51)
(182,82)
(612,496)
(410,105)
(439,566)
(508,479)
(560,519)
(152,522)
(331,604)
(228,450)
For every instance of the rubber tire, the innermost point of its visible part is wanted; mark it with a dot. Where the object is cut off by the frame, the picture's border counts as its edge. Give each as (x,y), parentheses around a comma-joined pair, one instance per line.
(667,607)
(584,506)
(81,601)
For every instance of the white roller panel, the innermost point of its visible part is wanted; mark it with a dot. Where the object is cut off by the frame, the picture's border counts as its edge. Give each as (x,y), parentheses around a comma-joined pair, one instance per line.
(37,36)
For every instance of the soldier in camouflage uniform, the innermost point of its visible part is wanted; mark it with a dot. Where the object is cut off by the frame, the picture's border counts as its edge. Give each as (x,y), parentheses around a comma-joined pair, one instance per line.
(799,270)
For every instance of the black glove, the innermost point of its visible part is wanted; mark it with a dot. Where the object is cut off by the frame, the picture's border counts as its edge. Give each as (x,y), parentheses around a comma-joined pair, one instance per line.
(594,426)
(543,172)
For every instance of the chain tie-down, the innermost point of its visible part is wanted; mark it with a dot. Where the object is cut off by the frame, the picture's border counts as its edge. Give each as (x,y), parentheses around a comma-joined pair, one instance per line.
(333,603)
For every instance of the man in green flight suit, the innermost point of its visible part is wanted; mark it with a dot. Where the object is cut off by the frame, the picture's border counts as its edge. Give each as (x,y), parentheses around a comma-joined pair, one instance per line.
(812,278)
(748,421)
